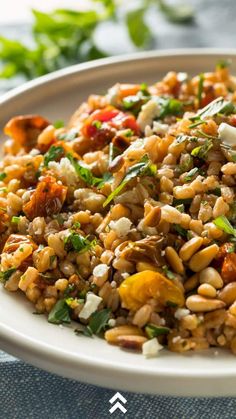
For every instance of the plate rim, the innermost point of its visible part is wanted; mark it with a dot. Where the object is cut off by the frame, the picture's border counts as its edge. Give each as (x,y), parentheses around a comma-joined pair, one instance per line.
(11,339)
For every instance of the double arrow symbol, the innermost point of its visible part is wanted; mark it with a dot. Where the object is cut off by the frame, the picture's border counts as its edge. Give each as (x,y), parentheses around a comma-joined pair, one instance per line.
(118,405)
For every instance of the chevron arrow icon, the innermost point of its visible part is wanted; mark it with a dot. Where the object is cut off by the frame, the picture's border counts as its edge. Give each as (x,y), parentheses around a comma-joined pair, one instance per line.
(118,405)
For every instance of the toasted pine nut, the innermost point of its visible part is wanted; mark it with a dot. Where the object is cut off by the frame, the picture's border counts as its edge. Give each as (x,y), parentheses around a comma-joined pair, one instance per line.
(211,276)
(190,247)
(228,293)
(220,207)
(207,290)
(174,260)
(203,258)
(131,342)
(145,266)
(198,303)
(153,217)
(229,169)
(191,283)
(142,316)
(112,335)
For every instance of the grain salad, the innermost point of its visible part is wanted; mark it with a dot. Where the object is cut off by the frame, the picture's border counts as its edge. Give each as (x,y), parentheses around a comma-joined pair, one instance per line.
(124,221)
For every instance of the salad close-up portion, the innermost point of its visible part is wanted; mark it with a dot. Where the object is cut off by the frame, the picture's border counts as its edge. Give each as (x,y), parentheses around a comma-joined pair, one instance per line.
(122,222)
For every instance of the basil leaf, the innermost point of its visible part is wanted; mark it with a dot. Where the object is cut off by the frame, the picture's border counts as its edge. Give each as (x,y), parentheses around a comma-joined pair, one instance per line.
(153,331)
(223,223)
(60,313)
(98,320)
(53,154)
(144,167)
(4,276)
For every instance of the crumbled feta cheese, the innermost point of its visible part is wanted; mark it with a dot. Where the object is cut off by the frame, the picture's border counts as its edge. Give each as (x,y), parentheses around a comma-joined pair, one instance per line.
(64,170)
(100,270)
(227,133)
(162,322)
(34,152)
(111,322)
(121,226)
(125,275)
(160,129)
(181,312)
(151,348)
(176,339)
(149,111)
(91,305)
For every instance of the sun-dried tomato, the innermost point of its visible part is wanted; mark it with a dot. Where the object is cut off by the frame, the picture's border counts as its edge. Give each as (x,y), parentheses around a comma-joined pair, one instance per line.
(228,271)
(224,250)
(26,129)
(47,199)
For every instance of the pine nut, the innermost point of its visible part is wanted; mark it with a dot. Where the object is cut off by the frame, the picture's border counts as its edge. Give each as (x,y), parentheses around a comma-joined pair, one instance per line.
(211,276)
(228,293)
(203,258)
(174,260)
(131,342)
(207,290)
(229,169)
(145,266)
(190,247)
(112,335)
(142,316)
(191,283)
(232,309)
(153,217)
(198,303)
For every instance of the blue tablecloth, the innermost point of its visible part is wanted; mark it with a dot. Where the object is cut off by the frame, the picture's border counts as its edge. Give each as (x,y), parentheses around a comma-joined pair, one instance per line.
(30,393)
(27,392)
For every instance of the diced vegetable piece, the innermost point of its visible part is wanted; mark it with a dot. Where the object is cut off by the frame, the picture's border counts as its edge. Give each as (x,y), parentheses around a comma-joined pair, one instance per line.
(138,288)
(15,241)
(228,271)
(47,199)
(26,129)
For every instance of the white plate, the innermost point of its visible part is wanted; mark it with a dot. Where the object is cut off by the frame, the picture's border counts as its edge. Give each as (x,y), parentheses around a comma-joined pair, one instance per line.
(58,349)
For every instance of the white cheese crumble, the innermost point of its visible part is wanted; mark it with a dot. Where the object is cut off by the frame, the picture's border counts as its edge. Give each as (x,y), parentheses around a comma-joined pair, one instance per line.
(151,348)
(111,322)
(121,226)
(176,339)
(91,305)
(227,133)
(100,270)
(64,170)
(149,111)
(125,275)
(181,312)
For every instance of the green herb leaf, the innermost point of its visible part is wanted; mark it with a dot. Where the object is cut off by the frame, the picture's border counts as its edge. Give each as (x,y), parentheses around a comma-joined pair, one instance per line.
(202,151)
(180,230)
(219,105)
(97,124)
(196,124)
(15,220)
(84,173)
(224,63)
(200,88)
(179,13)
(3,176)
(98,320)
(139,31)
(182,138)
(180,208)
(191,174)
(144,167)
(4,276)
(53,154)
(79,243)
(153,331)
(169,274)
(169,106)
(59,124)
(60,313)
(223,223)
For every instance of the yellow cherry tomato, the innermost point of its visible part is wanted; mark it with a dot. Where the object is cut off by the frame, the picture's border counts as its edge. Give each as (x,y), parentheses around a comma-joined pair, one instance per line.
(137,289)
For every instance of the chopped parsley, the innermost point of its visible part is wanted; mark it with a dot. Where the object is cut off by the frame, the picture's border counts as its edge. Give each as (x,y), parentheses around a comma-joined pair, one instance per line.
(54,153)
(68,136)
(60,313)
(168,273)
(97,124)
(4,276)
(169,106)
(182,138)
(84,173)
(223,224)
(191,174)
(180,230)
(79,243)
(153,331)
(3,176)
(202,150)
(180,207)
(15,220)
(217,106)
(59,124)
(196,124)
(144,167)
(224,64)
